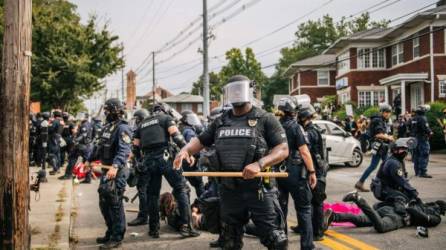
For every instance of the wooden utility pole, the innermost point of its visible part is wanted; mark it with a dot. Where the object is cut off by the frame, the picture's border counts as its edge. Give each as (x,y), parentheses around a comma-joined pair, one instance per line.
(205,61)
(153,78)
(14,110)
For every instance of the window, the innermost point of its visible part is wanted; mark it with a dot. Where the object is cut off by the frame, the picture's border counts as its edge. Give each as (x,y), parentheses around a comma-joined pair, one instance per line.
(323,78)
(397,54)
(416,47)
(344,97)
(343,63)
(199,108)
(371,58)
(442,88)
(186,106)
(371,98)
(335,130)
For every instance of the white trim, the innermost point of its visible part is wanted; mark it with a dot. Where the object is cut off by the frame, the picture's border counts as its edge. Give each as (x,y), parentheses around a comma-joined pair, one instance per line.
(370,88)
(328,77)
(441,77)
(413,47)
(393,87)
(316,87)
(405,77)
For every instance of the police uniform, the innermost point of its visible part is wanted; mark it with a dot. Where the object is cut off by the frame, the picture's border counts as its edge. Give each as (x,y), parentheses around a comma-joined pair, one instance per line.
(154,143)
(114,148)
(317,150)
(421,131)
(297,182)
(55,134)
(395,186)
(240,141)
(67,135)
(378,125)
(196,182)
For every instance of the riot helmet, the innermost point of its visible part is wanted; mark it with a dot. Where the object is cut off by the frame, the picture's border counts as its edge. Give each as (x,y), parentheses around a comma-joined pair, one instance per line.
(46,115)
(113,109)
(400,147)
(306,112)
(422,109)
(57,114)
(190,118)
(140,115)
(238,91)
(287,105)
(384,107)
(159,107)
(65,116)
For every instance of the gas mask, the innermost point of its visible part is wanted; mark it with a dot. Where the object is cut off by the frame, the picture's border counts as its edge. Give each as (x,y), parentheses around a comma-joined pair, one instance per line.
(110,117)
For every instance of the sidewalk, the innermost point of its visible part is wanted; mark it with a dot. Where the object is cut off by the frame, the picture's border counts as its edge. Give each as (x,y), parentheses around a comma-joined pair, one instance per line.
(49,217)
(438,157)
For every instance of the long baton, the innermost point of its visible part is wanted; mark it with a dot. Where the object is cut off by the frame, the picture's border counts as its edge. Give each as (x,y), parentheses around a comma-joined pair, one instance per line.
(236,174)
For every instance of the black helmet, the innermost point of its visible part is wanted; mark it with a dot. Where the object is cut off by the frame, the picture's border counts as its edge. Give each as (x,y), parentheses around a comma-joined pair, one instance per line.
(306,112)
(404,143)
(65,115)
(46,115)
(190,118)
(57,113)
(238,90)
(287,105)
(159,107)
(140,115)
(384,107)
(421,109)
(114,106)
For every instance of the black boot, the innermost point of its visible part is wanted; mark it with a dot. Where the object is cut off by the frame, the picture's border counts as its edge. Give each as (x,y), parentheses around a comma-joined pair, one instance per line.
(137,222)
(188,231)
(111,244)
(328,219)
(351,197)
(102,240)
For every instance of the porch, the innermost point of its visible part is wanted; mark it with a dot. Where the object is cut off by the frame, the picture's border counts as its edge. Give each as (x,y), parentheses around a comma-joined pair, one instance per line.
(412,87)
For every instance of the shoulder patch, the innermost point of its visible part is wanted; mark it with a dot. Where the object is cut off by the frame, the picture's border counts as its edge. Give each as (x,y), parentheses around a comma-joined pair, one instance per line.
(126,138)
(399,172)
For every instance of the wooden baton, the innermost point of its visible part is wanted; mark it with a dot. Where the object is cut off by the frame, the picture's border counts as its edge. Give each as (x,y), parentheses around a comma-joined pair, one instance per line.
(236,174)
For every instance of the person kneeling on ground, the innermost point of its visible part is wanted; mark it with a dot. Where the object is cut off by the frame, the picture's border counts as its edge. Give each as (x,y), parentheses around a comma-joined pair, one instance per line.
(383,216)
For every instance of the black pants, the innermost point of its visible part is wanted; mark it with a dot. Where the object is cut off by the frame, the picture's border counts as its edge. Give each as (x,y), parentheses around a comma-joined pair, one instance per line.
(317,204)
(385,219)
(143,194)
(112,207)
(300,191)
(196,181)
(243,203)
(157,167)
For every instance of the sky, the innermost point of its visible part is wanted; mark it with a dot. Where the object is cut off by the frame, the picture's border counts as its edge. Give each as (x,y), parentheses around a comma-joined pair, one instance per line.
(144,26)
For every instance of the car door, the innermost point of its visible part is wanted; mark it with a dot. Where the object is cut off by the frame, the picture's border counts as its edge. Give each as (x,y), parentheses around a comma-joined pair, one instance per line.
(340,149)
(331,142)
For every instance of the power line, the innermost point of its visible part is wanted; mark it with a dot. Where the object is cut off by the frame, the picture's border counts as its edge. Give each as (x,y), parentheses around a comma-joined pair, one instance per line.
(146,11)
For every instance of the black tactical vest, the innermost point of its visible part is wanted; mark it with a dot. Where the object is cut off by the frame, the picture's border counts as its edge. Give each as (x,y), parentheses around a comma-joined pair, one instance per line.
(152,133)
(294,157)
(239,142)
(107,143)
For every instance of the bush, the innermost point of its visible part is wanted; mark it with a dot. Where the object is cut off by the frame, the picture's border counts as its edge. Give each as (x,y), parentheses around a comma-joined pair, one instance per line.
(371,111)
(340,114)
(433,117)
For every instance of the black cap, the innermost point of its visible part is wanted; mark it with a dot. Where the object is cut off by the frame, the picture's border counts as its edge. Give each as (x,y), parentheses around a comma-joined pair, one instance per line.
(113,105)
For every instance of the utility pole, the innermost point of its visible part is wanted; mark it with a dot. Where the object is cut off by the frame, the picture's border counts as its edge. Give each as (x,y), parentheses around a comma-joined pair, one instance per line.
(122,75)
(153,78)
(14,135)
(205,61)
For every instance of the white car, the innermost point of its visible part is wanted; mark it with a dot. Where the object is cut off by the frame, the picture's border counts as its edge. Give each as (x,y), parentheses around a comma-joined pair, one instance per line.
(342,146)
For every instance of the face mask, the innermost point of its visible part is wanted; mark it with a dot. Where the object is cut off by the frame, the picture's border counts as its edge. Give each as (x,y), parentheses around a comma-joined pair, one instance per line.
(111,117)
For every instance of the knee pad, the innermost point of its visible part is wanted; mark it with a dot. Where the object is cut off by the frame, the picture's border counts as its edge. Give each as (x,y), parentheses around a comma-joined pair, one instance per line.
(276,240)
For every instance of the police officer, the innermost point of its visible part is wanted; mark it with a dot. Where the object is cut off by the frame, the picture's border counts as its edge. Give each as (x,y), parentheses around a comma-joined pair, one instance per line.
(421,131)
(379,131)
(55,136)
(153,136)
(97,128)
(32,139)
(191,127)
(142,184)
(318,153)
(391,183)
(113,149)
(42,141)
(67,136)
(246,139)
(302,174)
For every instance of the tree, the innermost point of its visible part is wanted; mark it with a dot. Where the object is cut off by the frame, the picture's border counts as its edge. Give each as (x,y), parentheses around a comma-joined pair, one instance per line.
(214,86)
(69,58)
(239,64)
(312,38)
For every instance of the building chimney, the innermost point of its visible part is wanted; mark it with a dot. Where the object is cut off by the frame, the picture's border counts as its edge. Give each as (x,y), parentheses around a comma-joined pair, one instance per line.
(131,90)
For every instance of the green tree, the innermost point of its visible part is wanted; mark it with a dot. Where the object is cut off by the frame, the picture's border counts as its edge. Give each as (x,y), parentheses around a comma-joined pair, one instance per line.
(239,64)
(214,86)
(312,38)
(69,58)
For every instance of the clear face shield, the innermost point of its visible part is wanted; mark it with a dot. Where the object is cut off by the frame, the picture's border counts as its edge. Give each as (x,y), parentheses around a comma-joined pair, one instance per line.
(237,93)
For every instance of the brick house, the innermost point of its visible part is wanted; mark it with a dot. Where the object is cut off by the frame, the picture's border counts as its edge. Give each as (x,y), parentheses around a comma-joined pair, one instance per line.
(376,65)
(160,93)
(314,76)
(184,102)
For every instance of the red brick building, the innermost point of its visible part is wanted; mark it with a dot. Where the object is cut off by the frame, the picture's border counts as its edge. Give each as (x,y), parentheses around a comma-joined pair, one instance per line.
(375,65)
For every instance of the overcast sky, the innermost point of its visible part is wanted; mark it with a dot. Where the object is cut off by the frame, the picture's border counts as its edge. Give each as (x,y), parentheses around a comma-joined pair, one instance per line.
(146,25)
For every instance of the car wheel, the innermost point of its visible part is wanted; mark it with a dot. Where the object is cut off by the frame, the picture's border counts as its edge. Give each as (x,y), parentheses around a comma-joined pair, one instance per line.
(357,158)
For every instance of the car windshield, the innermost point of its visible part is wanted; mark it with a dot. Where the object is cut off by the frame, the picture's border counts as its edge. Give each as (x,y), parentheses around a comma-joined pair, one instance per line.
(335,130)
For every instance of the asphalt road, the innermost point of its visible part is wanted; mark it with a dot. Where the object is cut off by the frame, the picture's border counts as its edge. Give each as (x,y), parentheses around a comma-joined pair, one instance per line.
(89,224)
